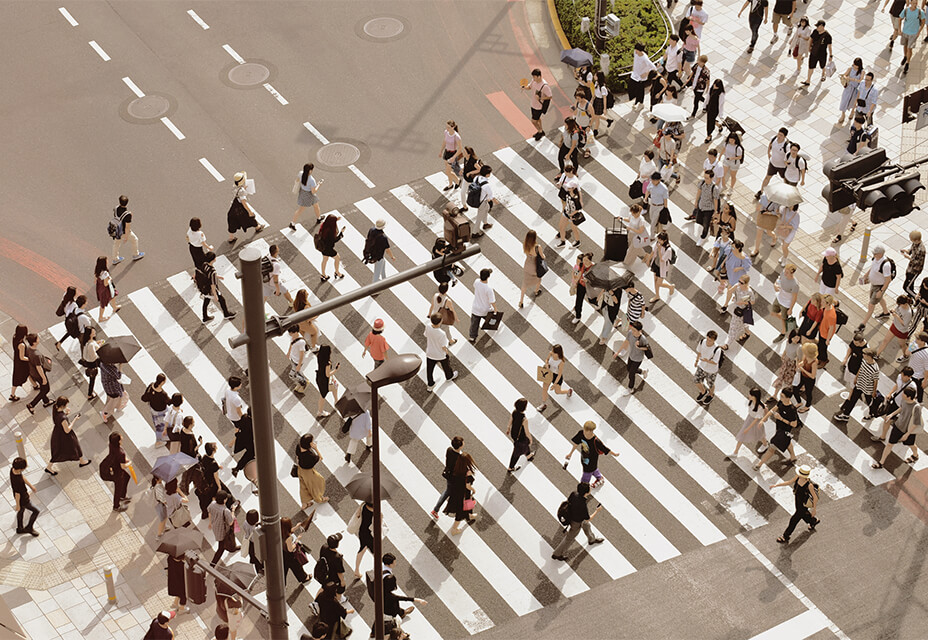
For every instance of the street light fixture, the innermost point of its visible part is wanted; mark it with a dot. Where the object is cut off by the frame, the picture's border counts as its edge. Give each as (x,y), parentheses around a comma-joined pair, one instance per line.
(397,369)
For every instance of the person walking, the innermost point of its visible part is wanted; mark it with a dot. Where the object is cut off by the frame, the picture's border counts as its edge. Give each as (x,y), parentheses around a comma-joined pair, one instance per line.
(90,360)
(117,462)
(715,108)
(116,398)
(569,146)
(436,352)
(787,290)
(829,273)
(690,51)
(20,372)
(242,215)
(708,359)
(376,248)
(787,228)
(698,81)
(852,360)
(796,166)
(210,288)
(578,516)
(916,256)
(211,484)
(638,346)
(788,361)
(522,441)
(551,373)
(602,100)
(777,149)
(329,234)
(899,329)
(470,171)
(37,374)
(305,188)
(742,315)
(895,13)
(571,203)
(65,446)
(274,286)
(672,62)
(641,67)
(22,503)
(913,20)
(801,43)
(657,198)
(806,494)
(757,15)
(706,203)
(451,152)
(582,109)
(578,283)
(533,265)
(859,137)
(906,421)
(787,419)
(881,272)
(196,243)
(812,315)
(827,329)
(733,158)
(105,288)
(865,386)
(68,307)
(609,306)
(783,11)
(159,628)
(451,457)
(539,101)
(819,50)
(360,429)
(484,302)
(325,379)
(220,523)
(124,231)
(808,370)
(662,259)
(752,431)
(851,79)
(867,96)
(242,442)
(461,497)
(291,543)
(487,201)
(590,447)
(736,265)
(308,328)
(365,514)
(296,353)
(157,399)
(177,585)
(376,344)
(638,237)
(442,305)
(250,529)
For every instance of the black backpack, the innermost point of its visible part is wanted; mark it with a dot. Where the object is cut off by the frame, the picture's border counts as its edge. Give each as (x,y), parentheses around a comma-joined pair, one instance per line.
(266,268)
(475,193)
(202,281)
(369,245)
(107,470)
(892,268)
(321,570)
(115,228)
(563,513)
(71,325)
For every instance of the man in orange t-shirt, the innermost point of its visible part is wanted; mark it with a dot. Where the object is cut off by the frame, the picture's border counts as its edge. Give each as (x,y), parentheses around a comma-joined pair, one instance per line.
(376,344)
(826,329)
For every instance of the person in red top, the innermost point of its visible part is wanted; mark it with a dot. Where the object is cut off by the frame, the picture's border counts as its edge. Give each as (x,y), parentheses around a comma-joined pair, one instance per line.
(376,344)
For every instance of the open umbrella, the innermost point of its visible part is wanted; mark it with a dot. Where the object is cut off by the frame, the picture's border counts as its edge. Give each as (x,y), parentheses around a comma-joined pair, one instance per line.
(609,275)
(781,193)
(576,57)
(361,487)
(241,573)
(354,401)
(118,350)
(669,112)
(176,542)
(167,467)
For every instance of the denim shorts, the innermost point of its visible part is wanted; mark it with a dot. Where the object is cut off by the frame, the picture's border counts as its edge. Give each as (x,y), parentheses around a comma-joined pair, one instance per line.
(689,56)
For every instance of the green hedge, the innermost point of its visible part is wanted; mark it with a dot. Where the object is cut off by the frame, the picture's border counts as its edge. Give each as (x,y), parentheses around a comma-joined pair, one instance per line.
(641,22)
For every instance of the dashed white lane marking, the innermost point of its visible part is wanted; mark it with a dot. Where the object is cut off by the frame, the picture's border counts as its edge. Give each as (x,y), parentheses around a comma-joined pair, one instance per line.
(197,19)
(133,87)
(275,93)
(99,50)
(363,178)
(67,16)
(313,130)
(209,167)
(170,125)
(239,59)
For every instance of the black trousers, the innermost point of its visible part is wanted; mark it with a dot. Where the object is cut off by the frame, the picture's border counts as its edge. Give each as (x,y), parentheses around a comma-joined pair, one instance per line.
(519,448)
(801,514)
(806,385)
(852,399)
(26,505)
(91,379)
(291,564)
(697,98)
(430,369)
(578,302)
(711,116)
(908,284)
(634,366)
(120,486)
(704,220)
(562,154)
(222,305)
(42,395)
(754,24)
(822,349)
(636,90)
(253,557)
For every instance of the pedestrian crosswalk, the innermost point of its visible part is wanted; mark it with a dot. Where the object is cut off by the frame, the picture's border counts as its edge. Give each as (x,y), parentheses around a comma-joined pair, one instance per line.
(670,490)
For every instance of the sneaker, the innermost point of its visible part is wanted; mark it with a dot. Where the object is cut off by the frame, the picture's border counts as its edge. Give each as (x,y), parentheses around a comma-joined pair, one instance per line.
(763,448)
(905,60)
(574,320)
(840,417)
(557,557)
(488,225)
(868,417)
(324,414)
(596,541)
(561,243)
(774,38)
(779,337)
(892,41)
(454,376)
(539,135)
(207,318)
(643,373)
(902,358)
(118,260)
(576,244)
(231,316)
(875,438)
(750,49)
(905,69)
(429,388)
(434,514)
(139,255)
(707,401)
(882,316)
(292,226)
(701,397)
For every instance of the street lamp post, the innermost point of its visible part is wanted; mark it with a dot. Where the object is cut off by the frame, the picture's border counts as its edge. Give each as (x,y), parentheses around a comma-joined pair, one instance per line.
(396,369)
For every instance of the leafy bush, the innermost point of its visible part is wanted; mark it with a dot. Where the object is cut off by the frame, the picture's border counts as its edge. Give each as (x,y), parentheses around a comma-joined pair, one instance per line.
(641,22)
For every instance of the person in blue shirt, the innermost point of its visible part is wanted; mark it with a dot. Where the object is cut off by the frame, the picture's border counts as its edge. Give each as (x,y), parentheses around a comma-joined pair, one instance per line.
(913,19)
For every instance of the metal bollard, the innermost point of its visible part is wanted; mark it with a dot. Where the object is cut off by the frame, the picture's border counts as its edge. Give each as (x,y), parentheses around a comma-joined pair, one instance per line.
(864,248)
(20,446)
(110,585)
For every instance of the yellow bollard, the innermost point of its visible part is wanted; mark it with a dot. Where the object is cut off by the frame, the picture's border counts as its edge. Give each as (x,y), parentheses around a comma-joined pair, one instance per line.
(865,247)
(110,585)
(20,446)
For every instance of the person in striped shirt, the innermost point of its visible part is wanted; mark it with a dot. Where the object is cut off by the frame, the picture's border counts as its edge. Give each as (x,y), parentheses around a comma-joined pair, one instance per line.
(865,384)
(635,309)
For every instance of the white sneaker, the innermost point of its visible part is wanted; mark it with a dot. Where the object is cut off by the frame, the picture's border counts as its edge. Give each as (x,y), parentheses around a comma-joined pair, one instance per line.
(575,321)
(763,448)
(324,414)
(454,376)
(429,389)
(643,373)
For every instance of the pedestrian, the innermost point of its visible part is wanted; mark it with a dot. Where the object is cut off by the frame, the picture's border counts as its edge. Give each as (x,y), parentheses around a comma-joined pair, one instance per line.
(329,234)
(808,369)
(699,82)
(913,19)
(436,352)
(777,149)
(767,216)
(591,447)
(788,361)
(806,493)
(241,214)
(851,79)
(325,379)
(235,615)
(250,531)
(571,203)
(360,429)
(657,198)
(273,286)
(827,329)
(783,11)
(116,397)
(196,242)
(578,283)
(305,188)
(690,51)
(905,421)
(105,288)
(757,15)
(801,43)
(308,328)
(634,307)
(365,517)
(736,265)
(733,158)
(296,353)
(646,167)
(582,109)
(918,360)
(708,359)
(602,100)
(866,98)
(899,329)
(161,510)
(787,228)
(159,629)
(657,83)
(487,201)
(38,374)
(76,319)
(819,50)
(812,315)
(233,406)
(521,437)
(376,248)
(715,108)
(787,290)
(921,307)
(66,307)
(243,442)
(551,373)
(638,347)
(796,165)
(829,273)
(895,13)
(609,306)
(220,523)
(852,360)
(787,419)
(333,563)
(706,203)
(859,136)
(673,60)
(865,385)
(18,484)
(65,446)
(211,484)
(470,170)
(726,220)
(451,153)
(89,359)
(893,398)
(916,256)
(376,344)
(292,551)
(451,457)
(177,586)
(881,272)
(662,259)
(157,399)
(533,266)
(461,496)
(332,613)
(578,515)
(569,147)
(20,372)
(484,302)
(442,305)
(697,16)
(667,153)
(221,632)
(539,101)
(124,231)
(742,315)
(117,462)
(641,67)
(209,287)
(189,443)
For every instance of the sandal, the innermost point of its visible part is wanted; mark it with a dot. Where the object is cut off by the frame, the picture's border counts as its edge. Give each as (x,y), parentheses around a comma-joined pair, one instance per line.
(912,459)
(876,465)
(782,540)
(14,398)
(654,299)
(836,239)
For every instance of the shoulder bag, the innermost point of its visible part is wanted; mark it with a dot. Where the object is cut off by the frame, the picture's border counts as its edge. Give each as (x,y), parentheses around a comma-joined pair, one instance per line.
(541,265)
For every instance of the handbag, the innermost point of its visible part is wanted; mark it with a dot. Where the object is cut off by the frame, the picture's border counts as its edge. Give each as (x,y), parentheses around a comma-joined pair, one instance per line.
(748,314)
(739,311)
(448,316)
(296,186)
(634,190)
(790,324)
(541,265)
(354,525)
(469,504)
(295,471)
(796,51)
(181,516)
(577,217)
(642,240)
(767,221)
(300,554)
(830,68)
(664,216)
(657,138)
(543,374)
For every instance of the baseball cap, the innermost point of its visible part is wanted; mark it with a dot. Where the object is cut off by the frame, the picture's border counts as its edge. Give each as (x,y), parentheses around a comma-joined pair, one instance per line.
(378,323)
(805,471)
(166,616)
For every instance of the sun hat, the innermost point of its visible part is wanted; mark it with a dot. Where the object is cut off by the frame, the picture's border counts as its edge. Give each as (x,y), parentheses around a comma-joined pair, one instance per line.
(378,324)
(380,224)
(805,471)
(830,251)
(239,177)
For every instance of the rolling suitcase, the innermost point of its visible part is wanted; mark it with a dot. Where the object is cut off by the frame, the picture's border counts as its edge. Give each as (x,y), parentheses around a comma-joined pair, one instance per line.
(616,244)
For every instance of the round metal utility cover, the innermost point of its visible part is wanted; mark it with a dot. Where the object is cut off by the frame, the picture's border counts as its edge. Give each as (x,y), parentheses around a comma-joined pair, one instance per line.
(249,74)
(148,107)
(384,27)
(338,154)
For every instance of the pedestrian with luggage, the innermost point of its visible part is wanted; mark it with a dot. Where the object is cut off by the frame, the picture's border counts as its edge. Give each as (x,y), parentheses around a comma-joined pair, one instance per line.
(569,148)
(461,498)
(533,267)
(806,493)
(609,306)
(117,462)
(305,189)
(484,302)
(706,204)
(274,285)
(789,360)
(881,272)
(75,318)
(242,215)
(552,374)
(220,523)
(901,324)
(578,516)
(742,314)
(638,236)
(37,374)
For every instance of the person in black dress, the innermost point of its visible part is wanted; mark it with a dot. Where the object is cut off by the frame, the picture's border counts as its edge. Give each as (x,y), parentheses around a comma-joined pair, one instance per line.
(291,540)
(119,462)
(211,483)
(189,443)
(365,535)
(64,444)
(244,441)
(89,359)
(786,417)
(177,587)
(328,236)
(521,438)
(462,492)
(18,484)
(20,360)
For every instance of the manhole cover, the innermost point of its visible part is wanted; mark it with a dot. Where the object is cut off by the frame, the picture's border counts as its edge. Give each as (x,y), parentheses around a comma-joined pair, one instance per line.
(338,154)
(249,74)
(148,107)
(383,27)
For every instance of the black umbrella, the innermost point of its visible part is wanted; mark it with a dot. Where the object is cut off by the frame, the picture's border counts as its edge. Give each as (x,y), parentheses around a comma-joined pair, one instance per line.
(241,573)
(361,487)
(167,467)
(576,57)
(354,401)
(118,350)
(609,275)
(176,542)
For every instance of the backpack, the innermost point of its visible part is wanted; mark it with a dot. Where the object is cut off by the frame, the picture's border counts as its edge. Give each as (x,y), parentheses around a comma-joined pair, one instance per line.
(202,281)
(840,318)
(71,325)
(610,99)
(370,244)
(892,268)
(321,570)
(266,268)
(475,193)
(563,514)
(107,472)
(673,256)
(116,227)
